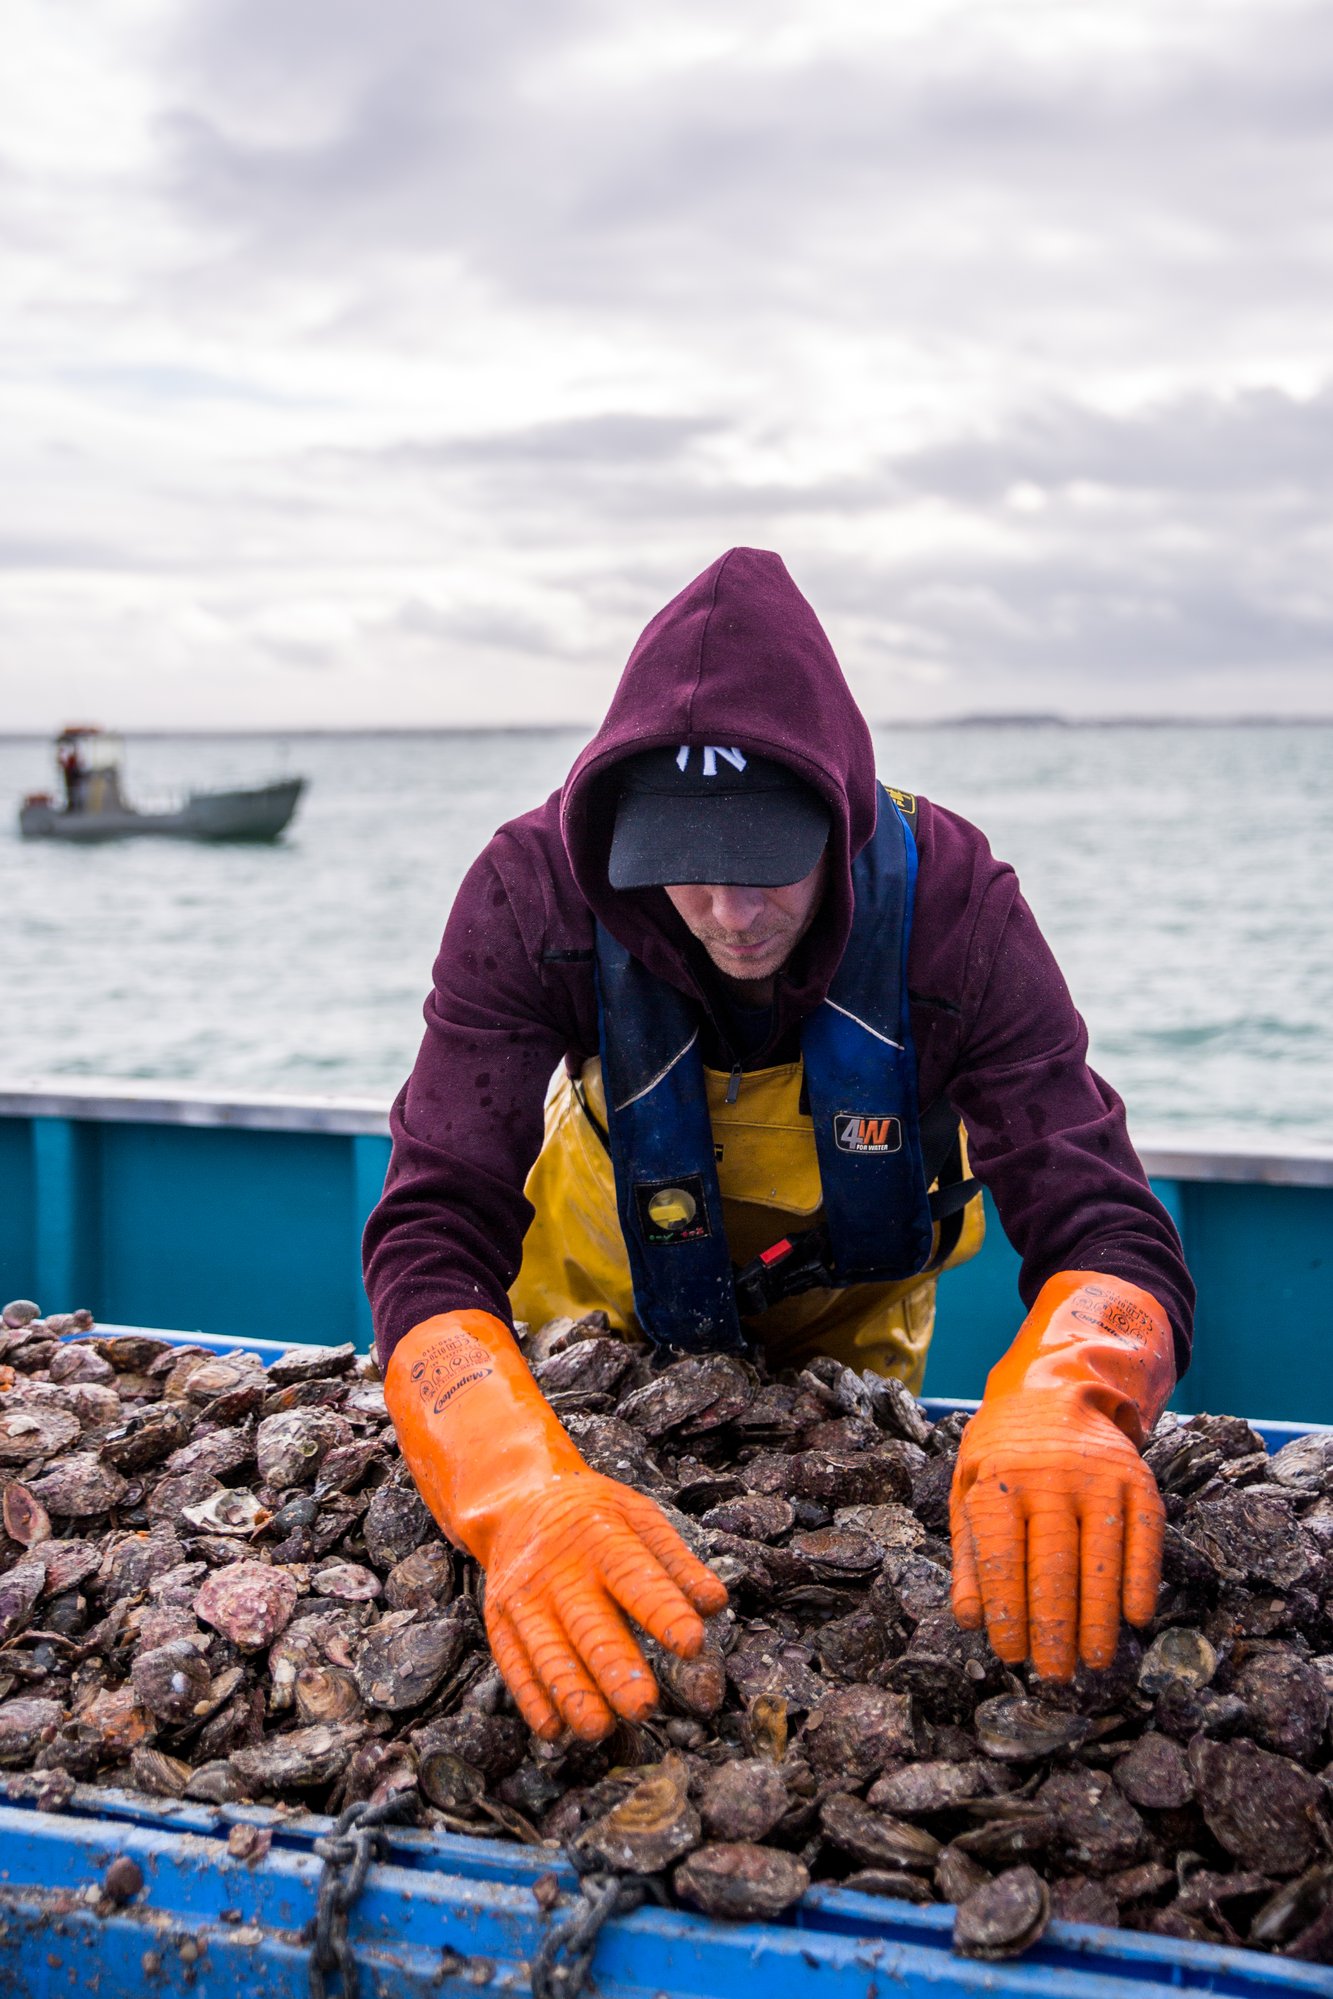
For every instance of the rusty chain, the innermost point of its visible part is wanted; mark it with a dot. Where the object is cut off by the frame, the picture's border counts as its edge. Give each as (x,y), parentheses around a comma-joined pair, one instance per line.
(347,1852)
(564,1957)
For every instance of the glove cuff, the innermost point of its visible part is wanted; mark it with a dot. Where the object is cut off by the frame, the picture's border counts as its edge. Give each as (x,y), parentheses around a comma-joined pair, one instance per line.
(476,1431)
(1101,1336)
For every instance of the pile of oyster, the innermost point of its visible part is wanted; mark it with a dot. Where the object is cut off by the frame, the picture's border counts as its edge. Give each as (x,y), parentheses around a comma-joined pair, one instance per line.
(217,1582)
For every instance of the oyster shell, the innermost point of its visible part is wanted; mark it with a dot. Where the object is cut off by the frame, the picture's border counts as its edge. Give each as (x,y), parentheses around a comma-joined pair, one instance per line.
(838,1552)
(1259,1806)
(1295,1915)
(765,1726)
(232,1510)
(762,1663)
(1099,1829)
(115,1718)
(591,1367)
(326,1694)
(248,1602)
(1251,1536)
(219,1453)
(311,1364)
(348,1582)
(1155,1773)
(395,1522)
(1177,1657)
(1015,1730)
(24,1726)
(929,1785)
(876,1837)
(653,1826)
(422,1579)
(79,1486)
(858,1730)
(494,1744)
(1305,1464)
(1004,1918)
(741,1881)
(290,1448)
(1286,1702)
(19,1591)
(852,1647)
(958,1875)
(298,1760)
(30,1430)
(160,1775)
(754,1516)
(172,1679)
(697,1685)
(743,1800)
(401,1663)
(145,1436)
(346,1465)
(79,1363)
(215,1783)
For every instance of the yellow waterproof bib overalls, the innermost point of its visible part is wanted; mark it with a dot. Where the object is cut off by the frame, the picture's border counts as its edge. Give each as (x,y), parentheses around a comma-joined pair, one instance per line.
(574,1256)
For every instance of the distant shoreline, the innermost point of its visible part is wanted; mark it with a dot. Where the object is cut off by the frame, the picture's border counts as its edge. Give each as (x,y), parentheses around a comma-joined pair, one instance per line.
(585,729)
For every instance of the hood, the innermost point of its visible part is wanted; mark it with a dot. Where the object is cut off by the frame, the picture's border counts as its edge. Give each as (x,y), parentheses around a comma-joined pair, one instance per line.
(738,658)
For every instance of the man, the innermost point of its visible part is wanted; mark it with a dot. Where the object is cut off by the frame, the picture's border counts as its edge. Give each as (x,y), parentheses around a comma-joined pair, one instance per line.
(72,769)
(776,989)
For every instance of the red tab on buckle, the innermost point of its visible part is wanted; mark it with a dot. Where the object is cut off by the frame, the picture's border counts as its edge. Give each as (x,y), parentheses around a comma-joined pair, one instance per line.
(776,1253)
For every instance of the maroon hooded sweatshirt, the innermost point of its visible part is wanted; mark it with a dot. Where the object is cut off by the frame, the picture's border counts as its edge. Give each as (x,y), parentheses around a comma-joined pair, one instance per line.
(740,658)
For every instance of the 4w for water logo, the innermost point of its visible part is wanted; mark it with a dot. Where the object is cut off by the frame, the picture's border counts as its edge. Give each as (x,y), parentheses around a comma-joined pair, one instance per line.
(854,1131)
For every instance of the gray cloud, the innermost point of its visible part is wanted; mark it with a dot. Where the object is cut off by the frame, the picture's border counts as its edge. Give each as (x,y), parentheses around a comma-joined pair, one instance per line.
(894,178)
(610,438)
(63,552)
(1257,441)
(482,331)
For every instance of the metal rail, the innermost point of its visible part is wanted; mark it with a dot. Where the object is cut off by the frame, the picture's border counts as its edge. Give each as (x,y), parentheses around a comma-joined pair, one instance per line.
(243,1215)
(108,1100)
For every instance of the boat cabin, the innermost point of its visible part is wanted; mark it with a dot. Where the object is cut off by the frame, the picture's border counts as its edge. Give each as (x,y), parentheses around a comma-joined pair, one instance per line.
(90,761)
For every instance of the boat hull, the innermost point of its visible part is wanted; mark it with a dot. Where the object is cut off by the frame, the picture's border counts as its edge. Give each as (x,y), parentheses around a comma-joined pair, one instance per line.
(261,813)
(162,1207)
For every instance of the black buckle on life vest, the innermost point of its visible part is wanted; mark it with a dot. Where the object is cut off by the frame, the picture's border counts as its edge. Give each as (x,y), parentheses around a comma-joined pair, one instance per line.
(801,1262)
(798,1263)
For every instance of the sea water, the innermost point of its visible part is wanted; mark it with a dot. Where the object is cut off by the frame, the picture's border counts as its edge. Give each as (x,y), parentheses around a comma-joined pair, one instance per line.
(1181,874)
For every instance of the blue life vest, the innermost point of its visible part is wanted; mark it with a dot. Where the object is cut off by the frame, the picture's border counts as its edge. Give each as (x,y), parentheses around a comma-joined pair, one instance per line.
(861,1082)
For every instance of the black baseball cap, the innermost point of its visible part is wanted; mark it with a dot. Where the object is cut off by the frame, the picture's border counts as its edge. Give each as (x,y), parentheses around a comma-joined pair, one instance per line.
(713,813)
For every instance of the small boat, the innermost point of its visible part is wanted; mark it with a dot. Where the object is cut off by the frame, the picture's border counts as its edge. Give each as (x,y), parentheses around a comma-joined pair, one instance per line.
(95,808)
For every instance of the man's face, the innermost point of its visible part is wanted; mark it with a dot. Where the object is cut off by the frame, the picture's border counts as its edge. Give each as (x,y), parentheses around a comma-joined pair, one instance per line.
(749,933)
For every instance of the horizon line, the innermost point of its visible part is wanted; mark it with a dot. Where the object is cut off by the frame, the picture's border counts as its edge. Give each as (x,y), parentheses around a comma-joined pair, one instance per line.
(1000,720)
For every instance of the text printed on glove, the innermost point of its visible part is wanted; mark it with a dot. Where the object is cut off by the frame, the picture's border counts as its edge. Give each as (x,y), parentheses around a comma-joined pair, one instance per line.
(448,1367)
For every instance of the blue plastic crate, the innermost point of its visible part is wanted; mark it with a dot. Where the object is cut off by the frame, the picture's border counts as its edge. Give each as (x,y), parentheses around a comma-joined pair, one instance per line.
(444,1913)
(449,1914)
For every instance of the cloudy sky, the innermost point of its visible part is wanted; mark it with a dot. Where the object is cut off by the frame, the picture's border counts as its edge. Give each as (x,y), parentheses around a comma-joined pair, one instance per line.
(390,365)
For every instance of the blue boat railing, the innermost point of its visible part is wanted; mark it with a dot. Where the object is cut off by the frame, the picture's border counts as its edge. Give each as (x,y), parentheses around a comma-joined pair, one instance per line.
(243,1217)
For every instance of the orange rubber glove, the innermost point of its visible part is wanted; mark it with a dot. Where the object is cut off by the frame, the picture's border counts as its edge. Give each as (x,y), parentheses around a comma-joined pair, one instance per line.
(565,1551)
(1056,1520)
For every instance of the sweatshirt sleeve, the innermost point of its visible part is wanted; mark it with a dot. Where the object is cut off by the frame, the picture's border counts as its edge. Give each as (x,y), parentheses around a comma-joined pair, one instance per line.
(448,1232)
(1046,1135)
